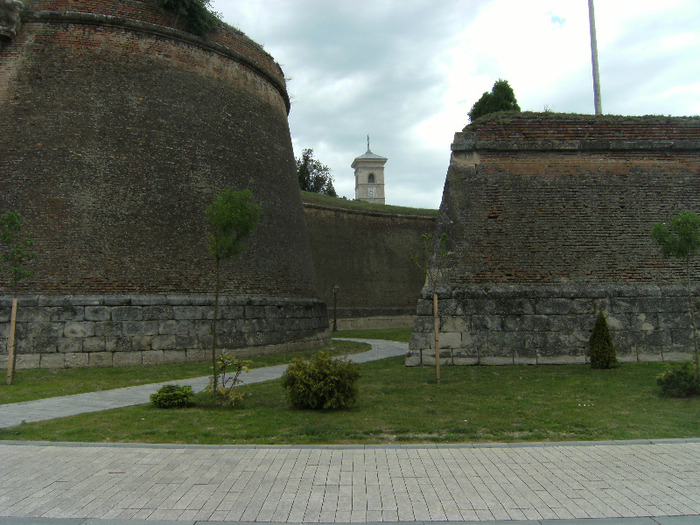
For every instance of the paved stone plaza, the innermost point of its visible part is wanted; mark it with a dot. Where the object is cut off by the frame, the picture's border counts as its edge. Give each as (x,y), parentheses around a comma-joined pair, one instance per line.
(635,483)
(350,484)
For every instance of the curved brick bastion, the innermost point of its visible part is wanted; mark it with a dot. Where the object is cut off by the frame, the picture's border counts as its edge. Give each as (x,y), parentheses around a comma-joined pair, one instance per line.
(118,129)
(548,219)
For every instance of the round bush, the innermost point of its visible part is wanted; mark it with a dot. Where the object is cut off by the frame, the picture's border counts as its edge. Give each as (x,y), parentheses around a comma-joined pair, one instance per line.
(321,382)
(679,381)
(173,396)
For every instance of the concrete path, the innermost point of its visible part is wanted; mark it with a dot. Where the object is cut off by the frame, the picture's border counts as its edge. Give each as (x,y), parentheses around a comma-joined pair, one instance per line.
(630,483)
(15,413)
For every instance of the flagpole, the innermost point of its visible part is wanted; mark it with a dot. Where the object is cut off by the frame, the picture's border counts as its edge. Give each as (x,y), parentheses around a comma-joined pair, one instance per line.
(594,58)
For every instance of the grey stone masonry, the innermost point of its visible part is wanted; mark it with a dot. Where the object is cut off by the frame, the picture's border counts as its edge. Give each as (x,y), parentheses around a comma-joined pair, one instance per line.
(510,324)
(70,331)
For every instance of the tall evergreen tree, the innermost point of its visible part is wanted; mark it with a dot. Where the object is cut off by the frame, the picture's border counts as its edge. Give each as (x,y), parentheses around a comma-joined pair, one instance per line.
(602,352)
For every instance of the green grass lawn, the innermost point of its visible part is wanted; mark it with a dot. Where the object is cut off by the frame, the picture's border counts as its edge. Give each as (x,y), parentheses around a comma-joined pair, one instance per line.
(357,205)
(405,405)
(40,384)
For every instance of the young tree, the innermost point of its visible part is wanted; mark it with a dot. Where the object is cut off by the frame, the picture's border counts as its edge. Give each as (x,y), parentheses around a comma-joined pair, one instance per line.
(314,176)
(433,255)
(16,253)
(501,98)
(232,218)
(681,239)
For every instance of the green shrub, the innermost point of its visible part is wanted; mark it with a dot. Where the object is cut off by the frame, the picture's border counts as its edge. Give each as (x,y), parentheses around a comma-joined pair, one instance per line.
(321,382)
(679,381)
(226,393)
(173,396)
(602,350)
(200,20)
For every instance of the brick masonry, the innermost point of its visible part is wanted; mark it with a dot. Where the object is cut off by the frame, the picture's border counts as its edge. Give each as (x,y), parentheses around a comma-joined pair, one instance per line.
(118,130)
(548,219)
(367,255)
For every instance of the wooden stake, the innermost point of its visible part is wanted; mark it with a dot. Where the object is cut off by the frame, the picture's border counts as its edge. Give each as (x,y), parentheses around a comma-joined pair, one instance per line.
(11,343)
(437,338)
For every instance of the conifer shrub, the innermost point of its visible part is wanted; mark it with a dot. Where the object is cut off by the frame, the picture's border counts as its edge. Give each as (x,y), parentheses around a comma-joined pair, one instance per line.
(173,396)
(602,350)
(322,382)
(679,381)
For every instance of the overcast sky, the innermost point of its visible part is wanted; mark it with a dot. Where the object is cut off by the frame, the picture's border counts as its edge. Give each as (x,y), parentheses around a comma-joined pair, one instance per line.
(407,72)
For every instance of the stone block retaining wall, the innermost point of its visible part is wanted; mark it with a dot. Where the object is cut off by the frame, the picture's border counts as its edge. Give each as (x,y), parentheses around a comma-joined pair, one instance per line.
(101,330)
(552,324)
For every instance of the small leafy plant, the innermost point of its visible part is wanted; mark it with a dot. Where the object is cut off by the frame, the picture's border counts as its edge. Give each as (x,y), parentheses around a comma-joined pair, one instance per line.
(322,382)
(225,393)
(173,396)
(601,344)
(679,381)
(200,20)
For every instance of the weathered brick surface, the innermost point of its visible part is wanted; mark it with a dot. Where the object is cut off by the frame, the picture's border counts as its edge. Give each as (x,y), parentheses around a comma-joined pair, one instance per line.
(548,220)
(153,18)
(118,130)
(121,138)
(367,255)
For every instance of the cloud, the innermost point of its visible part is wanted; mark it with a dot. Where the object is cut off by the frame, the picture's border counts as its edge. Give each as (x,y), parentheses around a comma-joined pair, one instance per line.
(407,72)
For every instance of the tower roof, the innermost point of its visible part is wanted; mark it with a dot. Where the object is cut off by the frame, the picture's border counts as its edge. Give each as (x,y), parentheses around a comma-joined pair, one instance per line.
(368,155)
(371,156)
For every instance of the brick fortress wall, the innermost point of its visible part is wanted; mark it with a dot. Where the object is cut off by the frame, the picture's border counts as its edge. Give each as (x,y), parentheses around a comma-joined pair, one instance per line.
(548,219)
(367,255)
(118,130)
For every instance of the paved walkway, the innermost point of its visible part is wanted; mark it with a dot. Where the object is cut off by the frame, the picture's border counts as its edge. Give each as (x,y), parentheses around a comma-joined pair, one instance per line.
(15,413)
(635,483)
(350,484)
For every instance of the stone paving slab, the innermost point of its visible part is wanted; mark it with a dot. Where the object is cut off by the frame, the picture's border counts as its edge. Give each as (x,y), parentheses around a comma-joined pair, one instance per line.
(31,411)
(630,483)
(353,484)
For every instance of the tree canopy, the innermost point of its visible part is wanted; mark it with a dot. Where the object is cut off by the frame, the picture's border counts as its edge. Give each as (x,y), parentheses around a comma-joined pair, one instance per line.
(682,238)
(232,218)
(501,98)
(313,175)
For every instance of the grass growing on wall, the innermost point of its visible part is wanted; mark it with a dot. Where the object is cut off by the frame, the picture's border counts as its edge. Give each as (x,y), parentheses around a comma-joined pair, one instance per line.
(356,205)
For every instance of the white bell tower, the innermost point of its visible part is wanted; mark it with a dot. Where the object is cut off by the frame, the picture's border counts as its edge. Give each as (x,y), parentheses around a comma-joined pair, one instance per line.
(369,176)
